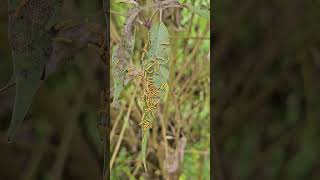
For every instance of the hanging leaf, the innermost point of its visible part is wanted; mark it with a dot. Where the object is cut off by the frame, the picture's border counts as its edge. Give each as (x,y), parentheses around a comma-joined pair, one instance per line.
(30,41)
(123,53)
(159,51)
(144,149)
(203,12)
(119,74)
(159,43)
(155,65)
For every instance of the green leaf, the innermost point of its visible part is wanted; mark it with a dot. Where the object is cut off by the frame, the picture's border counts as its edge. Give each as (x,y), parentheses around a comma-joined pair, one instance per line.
(162,76)
(159,51)
(26,87)
(31,47)
(203,12)
(119,75)
(144,148)
(156,57)
(160,40)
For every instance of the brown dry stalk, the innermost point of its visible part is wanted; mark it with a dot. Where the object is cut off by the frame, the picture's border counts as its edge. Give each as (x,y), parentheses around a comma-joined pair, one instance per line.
(124,126)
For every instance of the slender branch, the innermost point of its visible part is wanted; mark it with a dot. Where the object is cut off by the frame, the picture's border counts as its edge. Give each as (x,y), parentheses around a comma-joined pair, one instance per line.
(116,13)
(6,87)
(189,37)
(116,124)
(124,126)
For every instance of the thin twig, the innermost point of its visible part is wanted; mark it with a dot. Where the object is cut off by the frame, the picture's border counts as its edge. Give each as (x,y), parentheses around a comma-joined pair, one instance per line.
(116,13)
(164,134)
(124,126)
(6,87)
(177,113)
(188,37)
(116,123)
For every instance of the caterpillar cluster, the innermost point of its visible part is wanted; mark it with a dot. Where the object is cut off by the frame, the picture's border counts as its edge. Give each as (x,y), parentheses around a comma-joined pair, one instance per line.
(150,95)
(151,100)
(150,92)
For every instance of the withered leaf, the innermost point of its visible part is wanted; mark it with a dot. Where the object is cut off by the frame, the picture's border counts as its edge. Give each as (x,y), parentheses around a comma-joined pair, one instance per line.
(123,53)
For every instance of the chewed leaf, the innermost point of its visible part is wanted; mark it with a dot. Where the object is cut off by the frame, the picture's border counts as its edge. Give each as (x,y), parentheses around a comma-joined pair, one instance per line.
(156,67)
(164,72)
(119,66)
(144,149)
(162,76)
(205,13)
(118,86)
(160,40)
(123,53)
(114,60)
(119,75)
(159,51)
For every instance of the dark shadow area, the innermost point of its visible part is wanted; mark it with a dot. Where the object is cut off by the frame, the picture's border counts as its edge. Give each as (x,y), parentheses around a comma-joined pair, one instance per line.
(266,89)
(59,137)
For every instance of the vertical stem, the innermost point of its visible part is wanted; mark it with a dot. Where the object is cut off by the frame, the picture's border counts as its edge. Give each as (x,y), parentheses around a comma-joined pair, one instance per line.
(160,15)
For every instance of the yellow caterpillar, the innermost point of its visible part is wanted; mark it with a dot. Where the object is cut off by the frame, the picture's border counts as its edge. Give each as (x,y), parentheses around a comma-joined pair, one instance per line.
(151,99)
(150,91)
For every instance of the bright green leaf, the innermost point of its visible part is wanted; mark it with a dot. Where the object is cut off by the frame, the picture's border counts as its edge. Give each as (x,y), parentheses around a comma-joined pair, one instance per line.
(144,148)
